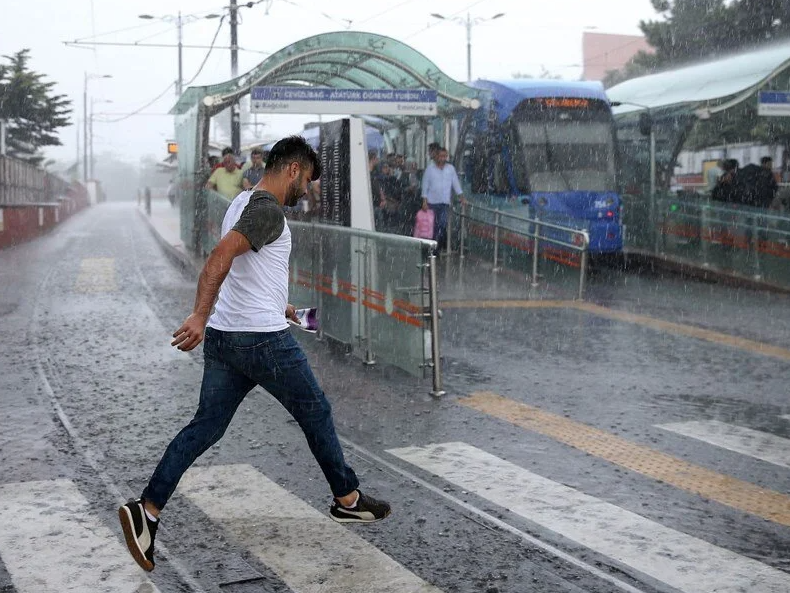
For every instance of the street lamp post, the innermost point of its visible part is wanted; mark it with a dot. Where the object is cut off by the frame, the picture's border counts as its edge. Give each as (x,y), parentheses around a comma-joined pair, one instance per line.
(468,22)
(85,121)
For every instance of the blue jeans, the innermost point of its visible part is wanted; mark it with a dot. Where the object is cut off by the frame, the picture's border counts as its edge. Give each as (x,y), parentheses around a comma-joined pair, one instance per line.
(440,212)
(234,363)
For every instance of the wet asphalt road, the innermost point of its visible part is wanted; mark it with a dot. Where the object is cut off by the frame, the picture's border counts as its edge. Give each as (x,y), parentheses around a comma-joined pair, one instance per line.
(92,393)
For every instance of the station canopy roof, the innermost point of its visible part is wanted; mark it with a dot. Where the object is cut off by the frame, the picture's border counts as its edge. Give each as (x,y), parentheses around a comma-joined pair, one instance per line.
(338,60)
(706,88)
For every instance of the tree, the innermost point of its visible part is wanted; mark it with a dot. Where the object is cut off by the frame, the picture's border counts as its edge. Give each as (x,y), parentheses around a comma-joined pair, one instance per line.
(33,112)
(693,30)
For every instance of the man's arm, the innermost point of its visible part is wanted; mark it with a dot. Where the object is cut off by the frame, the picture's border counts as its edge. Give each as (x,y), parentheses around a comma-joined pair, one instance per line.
(245,181)
(212,181)
(459,191)
(217,266)
(426,184)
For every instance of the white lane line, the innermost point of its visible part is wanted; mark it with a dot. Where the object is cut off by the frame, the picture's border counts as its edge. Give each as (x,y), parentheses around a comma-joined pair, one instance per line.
(760,445)
(785,417)
(305,548)
(50,543)
(684,562)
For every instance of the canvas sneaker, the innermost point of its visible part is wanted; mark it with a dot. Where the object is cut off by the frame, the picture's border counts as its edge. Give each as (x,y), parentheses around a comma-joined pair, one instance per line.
(367,510)
(139,532)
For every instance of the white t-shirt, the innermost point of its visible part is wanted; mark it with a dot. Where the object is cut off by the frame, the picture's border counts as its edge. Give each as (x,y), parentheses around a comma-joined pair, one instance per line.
(254,294)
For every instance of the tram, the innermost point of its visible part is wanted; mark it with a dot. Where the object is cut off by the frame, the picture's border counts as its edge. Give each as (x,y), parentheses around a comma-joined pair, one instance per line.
(545,148)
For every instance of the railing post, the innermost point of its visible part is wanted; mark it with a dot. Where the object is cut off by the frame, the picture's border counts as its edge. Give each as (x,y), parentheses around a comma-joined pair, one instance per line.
(449,248)
(583,274)
(462,238)
(756,247)
(704,233)
(436,362)
(535,248)
(366,277)
(496,241)
(318,282)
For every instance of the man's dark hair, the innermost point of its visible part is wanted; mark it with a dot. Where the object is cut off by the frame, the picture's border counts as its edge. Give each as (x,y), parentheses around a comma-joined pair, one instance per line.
(730,165)
(257,151)
(373,154)
(765,160)
(434,146)
(227,150)
(293,149)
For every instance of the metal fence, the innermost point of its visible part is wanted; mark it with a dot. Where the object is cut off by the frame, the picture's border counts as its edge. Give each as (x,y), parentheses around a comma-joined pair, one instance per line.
(23,183)
(738,240)
(376,293)
(513,241)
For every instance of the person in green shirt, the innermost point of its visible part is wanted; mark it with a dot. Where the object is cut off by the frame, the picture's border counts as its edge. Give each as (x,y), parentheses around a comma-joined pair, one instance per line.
(227,178)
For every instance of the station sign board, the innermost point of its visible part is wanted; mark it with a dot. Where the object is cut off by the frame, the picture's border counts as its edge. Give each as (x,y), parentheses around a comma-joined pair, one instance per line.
(309,100)
(773,103)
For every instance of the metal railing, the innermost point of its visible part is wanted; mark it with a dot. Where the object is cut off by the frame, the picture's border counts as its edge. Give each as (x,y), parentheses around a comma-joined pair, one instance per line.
(506,225)
(739,240)
(376,293)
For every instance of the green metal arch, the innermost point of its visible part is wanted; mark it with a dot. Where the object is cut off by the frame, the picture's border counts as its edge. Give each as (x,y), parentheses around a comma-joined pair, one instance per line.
(394,63)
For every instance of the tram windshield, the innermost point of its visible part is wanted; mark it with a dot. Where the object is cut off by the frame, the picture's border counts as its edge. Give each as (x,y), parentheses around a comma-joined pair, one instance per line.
(562,146)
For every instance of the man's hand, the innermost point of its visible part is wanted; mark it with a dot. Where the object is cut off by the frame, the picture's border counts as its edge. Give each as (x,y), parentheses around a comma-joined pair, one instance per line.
(190,334)
(290,313)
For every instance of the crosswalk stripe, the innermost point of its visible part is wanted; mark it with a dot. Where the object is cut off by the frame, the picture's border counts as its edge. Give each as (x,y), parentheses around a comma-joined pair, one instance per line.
(754,443)
(50,543)
(682,561)
(305,548)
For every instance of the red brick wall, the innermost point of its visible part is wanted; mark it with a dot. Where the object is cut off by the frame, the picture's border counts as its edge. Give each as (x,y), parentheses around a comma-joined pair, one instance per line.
(23,222)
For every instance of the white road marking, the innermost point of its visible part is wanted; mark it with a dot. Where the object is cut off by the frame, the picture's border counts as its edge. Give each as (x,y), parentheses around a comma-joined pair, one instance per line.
(50,543)
(785,416)
(760,445)
(681,561)
(305,548)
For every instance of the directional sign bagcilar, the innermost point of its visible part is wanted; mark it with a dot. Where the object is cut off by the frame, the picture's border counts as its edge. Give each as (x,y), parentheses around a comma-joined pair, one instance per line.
(773,103)
(342,101)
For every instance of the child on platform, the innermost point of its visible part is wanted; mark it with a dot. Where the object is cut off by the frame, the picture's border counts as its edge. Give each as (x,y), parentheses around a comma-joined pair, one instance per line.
(424,222)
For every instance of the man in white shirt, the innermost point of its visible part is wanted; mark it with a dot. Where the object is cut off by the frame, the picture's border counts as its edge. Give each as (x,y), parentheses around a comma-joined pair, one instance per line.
(438,184)
(248,343)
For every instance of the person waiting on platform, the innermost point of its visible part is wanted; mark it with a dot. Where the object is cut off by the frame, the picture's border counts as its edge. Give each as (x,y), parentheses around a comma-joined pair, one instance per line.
(254,173)
(226,179)
(438,184)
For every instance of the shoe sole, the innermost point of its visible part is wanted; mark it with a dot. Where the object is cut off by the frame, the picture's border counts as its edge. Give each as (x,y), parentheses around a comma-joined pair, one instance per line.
(357,520)
(127,524)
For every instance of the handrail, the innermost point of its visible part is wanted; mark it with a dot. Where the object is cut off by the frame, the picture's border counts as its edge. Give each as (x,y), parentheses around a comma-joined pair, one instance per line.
(534,232)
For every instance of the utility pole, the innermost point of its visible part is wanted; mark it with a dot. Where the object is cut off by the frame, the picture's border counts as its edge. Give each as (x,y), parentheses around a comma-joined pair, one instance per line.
(180,81)
(235,115)
(90,131)
(468,47)
(85,130)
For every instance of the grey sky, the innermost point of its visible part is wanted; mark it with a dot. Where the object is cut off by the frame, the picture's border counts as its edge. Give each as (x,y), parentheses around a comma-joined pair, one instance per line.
(530,36)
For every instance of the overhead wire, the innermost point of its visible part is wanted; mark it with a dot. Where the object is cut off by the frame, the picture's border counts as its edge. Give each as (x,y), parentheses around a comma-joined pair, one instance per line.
(172,84)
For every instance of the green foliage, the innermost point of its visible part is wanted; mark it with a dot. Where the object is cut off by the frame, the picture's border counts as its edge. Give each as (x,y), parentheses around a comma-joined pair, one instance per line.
(693,30)
(33,112)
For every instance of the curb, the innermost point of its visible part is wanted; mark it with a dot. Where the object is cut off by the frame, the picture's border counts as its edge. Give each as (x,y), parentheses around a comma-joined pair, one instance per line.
(692,269)
(185,261)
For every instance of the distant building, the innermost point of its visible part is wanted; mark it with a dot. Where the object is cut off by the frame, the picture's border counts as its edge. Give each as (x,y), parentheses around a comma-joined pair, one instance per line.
(602,52)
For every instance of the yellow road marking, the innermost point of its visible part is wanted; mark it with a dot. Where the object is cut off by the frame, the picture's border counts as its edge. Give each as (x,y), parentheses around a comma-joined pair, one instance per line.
(726,490)
(643,320)
(97,274)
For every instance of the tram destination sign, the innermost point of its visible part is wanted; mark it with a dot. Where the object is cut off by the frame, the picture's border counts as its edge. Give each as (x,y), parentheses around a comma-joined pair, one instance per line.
(773,103)
(269,99)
